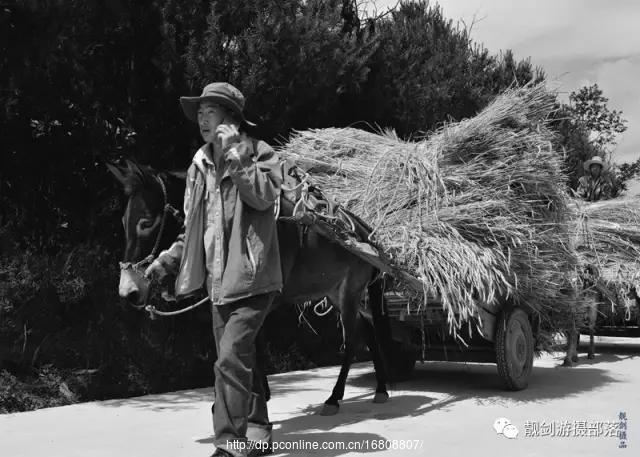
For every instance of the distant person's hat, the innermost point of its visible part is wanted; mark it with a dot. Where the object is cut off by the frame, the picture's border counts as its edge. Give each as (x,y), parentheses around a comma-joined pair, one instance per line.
(596,160)
(221,93)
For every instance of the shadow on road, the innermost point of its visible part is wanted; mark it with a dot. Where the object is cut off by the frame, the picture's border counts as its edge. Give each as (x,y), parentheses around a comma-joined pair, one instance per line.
(310,427)
(607,352)
(434,386)
(459,381)
(172,401)
(482,383)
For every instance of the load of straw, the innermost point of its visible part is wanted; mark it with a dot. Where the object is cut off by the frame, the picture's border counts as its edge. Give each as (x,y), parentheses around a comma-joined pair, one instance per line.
(476,210)
(607,239)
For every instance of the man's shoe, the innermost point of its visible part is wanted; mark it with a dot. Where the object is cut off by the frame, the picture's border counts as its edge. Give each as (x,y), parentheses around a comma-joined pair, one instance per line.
(258,449)
(221,453)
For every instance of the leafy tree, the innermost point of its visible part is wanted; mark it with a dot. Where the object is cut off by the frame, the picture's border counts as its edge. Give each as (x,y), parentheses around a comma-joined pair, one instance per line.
(588,108)
(628,171)
(586,127)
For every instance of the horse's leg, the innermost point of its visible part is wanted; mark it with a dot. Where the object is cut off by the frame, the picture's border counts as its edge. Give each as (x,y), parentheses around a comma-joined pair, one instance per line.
(574,356)
(593,315)
(572,351)
(348,315)
(380,345)
(591,354)
(381,395)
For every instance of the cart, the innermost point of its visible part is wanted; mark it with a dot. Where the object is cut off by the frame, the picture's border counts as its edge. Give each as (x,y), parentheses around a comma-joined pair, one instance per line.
(503,334)
(614,317)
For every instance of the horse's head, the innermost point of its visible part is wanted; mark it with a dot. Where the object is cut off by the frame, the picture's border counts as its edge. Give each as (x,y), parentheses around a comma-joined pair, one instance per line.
(145,223)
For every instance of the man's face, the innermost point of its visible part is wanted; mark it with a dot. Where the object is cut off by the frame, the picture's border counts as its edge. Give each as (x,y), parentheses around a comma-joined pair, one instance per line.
(595,170)
(210,116)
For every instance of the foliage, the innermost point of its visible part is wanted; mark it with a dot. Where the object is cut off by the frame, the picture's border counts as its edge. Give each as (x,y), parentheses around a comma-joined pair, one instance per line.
(628,171)
(586,127)
(43,389)
(589,109)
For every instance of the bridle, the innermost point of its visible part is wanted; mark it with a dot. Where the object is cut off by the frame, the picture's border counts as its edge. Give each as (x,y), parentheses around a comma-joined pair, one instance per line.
(167,209)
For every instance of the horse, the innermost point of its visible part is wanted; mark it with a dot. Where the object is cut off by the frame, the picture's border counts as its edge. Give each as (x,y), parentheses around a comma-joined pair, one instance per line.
(597,294)
(313,268)
(573,336)
(592,297)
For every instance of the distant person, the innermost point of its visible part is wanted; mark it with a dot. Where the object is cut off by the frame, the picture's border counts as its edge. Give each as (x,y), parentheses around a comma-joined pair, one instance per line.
(594,185)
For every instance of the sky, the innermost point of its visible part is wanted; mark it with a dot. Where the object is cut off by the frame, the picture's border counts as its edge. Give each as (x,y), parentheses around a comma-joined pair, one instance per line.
(576,42)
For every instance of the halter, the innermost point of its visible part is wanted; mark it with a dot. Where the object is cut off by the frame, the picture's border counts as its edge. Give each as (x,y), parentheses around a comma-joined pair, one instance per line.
(167,209)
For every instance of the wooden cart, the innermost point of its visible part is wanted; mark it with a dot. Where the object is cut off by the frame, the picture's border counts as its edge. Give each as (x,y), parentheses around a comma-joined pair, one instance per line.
(504,335)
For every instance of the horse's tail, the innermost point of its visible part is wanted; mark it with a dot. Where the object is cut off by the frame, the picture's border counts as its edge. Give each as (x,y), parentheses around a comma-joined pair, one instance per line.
(381,323)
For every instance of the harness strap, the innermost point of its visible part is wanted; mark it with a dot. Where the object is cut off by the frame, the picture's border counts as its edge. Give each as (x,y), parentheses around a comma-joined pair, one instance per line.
(163,220)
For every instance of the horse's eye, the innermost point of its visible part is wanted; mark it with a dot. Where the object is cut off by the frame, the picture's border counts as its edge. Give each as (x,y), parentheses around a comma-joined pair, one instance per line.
(146,223)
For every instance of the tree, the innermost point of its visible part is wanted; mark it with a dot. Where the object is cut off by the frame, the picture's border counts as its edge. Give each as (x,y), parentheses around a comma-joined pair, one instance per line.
(586,127)
(589,109)
(427,70)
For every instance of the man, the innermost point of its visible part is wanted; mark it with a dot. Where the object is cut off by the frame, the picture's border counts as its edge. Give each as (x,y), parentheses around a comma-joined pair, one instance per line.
(594,186)
(230,246)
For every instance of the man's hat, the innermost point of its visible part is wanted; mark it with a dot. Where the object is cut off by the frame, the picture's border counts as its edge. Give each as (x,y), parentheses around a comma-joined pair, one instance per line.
(221,93)
(596,160)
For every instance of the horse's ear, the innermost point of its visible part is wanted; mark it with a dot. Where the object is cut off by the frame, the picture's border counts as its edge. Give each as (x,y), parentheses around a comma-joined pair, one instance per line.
(117,172)
(180,174)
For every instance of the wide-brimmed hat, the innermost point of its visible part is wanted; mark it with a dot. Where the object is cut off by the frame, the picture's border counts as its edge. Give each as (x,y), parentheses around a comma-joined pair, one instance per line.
(596,160)
(221,93)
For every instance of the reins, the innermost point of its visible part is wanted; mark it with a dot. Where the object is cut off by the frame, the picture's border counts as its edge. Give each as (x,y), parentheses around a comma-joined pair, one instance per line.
(167,208)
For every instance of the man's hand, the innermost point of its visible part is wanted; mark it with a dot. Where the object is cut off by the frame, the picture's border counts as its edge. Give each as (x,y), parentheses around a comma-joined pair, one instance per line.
(227,135)
(155,271)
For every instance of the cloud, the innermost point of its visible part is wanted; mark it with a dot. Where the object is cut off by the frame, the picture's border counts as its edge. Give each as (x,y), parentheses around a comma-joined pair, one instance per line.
(577,41)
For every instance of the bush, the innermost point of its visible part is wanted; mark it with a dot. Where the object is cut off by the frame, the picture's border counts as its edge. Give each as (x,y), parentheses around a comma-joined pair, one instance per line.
(43,389)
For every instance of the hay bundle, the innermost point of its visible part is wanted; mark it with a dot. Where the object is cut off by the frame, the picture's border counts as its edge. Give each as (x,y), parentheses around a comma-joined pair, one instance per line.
(477,210)
(607,236)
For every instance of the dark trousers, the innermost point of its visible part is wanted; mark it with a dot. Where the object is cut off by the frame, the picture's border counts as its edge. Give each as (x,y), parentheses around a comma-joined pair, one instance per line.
(240,407)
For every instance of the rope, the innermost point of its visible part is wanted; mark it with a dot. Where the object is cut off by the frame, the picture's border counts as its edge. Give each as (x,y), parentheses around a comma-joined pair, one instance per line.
(322,303)
(162,221)
(154,312)
(302,182)
(277,208)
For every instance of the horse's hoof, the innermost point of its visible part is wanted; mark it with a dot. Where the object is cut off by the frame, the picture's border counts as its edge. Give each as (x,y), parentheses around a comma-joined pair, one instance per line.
(329,410)
(381,397)
(567,362)
(591,356)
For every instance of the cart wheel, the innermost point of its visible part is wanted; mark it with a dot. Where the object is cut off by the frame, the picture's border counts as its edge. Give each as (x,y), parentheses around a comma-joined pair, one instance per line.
(514,348)
(403,363)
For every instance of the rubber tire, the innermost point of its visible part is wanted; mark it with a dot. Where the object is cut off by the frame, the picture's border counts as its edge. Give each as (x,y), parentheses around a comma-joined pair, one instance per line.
(514,346)
(403,363)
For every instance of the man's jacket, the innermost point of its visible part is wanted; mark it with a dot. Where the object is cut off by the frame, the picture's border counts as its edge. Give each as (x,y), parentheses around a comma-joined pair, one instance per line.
(229,244)
(593,190)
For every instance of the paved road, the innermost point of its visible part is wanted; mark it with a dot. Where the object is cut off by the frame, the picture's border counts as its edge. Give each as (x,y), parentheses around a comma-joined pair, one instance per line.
(446,410)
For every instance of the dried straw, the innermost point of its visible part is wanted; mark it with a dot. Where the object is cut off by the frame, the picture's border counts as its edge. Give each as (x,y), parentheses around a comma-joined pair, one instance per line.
(607,236)
(476,210)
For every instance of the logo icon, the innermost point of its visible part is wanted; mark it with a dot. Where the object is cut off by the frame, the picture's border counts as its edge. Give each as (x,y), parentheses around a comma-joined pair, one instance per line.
(504,427)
